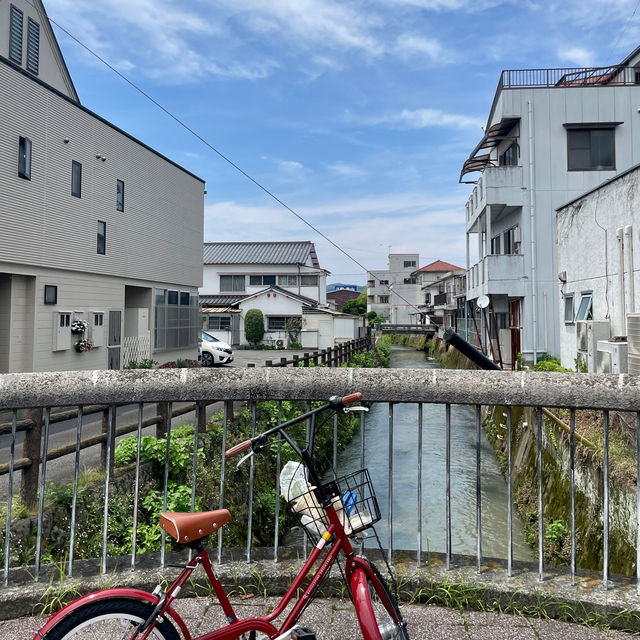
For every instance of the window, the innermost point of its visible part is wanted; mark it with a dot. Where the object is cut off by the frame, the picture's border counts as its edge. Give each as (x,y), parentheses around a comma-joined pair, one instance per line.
(288,281)
(232,283)
(383,282)
(510,157)
(309,281)
(568,309)
(495,245)
(427,298)
(50,294)
(98,319)
(410,281)
(120,195)
(219,323)
(409,263)
(371,283)
(177,322)
(76,179)
(383,299)
(584,310)
(65,319)
(590,149)
(102,237)
(261,281)
(279,323)
(33,45)
(24,158)
(15,34)
(511,241)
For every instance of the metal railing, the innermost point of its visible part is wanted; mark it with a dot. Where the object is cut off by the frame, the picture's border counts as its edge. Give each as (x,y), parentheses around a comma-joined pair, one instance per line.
(612,76)
(415,386)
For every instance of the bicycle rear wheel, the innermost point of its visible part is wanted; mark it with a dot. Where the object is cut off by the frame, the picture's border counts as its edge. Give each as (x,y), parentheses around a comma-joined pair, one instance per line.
(376,607)
(115,619)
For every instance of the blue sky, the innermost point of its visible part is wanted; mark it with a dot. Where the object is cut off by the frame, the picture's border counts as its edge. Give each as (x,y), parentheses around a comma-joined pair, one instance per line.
(357,113)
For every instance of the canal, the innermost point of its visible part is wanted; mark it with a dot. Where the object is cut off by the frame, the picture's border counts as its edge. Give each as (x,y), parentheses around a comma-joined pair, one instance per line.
(463,475)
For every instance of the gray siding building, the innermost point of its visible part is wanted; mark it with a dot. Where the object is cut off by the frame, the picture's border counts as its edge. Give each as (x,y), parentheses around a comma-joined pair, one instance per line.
(98,231)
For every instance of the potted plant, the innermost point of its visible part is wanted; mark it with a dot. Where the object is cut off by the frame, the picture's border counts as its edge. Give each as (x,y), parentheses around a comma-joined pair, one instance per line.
(79,326)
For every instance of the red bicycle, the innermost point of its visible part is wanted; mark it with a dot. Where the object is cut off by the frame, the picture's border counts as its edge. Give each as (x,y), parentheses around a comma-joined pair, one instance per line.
(335,515)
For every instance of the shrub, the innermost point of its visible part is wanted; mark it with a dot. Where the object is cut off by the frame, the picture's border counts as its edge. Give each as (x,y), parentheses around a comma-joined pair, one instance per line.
(180,364)
(254,326)
(145,363)
(550,365)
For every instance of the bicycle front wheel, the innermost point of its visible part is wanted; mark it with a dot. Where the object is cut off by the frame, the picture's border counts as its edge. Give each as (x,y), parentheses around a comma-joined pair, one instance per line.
(115,619)
(376,608)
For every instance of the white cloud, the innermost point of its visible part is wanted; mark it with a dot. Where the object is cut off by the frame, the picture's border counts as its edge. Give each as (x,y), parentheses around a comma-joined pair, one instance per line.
(345,170)
(408,45)
(423,118)
(578,56)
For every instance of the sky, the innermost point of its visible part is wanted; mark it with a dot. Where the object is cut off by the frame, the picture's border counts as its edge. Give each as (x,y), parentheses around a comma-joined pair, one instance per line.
(358,114)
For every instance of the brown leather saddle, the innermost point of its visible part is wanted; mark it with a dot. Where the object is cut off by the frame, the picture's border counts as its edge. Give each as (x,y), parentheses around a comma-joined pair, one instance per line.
(189,527)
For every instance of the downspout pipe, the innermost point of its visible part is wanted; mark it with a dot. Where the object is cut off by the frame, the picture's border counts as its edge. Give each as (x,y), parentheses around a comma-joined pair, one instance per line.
(628,245)
(622,330)
(532,232)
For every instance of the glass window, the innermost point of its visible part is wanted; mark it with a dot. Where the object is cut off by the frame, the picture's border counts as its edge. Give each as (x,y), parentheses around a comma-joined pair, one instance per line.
(568,309)
(161,295)
(172,297)
(98,319)
(184,298)
(50,294)
(24,158)
(176,325)
(510,236)
(584,310)
(15,34)
(410,281)
(495,245)
(279,323)
(219,323)
(33,45)
(102,237)
(120,195)
(510,157)
(409,263)
(288,281)
(232,283)
(382,282)
(309,281)
(76,179)
(259,281)
(383,299)
(590,149)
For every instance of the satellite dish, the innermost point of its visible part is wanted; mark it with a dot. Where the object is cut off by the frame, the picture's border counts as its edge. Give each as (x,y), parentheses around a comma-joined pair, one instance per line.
(482,302)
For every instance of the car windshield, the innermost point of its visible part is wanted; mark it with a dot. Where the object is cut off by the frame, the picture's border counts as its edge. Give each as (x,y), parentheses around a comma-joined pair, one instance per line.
(207,337)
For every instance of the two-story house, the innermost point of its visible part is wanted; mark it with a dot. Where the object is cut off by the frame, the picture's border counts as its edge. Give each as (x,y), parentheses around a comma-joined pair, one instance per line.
(394,293)
(442,284)
(551,135)
(284,280)
(97,230)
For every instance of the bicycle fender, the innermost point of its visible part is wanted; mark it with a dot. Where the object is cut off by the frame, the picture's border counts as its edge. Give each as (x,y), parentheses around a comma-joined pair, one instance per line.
(106,594)
(362,603)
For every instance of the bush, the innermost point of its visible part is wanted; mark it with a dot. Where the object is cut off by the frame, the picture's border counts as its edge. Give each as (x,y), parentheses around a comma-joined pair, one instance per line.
(254,326)
(180,364)
(145,363)
(550,365)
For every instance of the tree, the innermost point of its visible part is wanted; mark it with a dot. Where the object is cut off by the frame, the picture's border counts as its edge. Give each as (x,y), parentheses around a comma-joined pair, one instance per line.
(356,307)
(254,326)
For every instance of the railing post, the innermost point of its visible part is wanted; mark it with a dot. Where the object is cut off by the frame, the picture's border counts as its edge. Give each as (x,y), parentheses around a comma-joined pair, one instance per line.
(163,414)
(31,449)
(315,357)
(228,408)
(306,359)
(329,357)
(283,362)
(108,448)
(251,365)
(296,360)
(268,363)
(323,357)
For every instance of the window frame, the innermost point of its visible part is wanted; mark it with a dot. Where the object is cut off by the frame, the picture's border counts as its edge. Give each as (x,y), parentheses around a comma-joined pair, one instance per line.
(569,299)
(315,280)
(101,249)
(509,157)
(496,244)
(50,294)
(119,195)
(235,282)
(76,179)
(383,299)
(409,263)
(25,150)
(590,130)
(585,313)
(291,280)
(220,327)
(279,322)
(258,280)
(14,12)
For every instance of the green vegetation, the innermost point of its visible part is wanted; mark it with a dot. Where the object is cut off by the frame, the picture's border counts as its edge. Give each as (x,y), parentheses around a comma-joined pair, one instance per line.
(145,363)
(254,326)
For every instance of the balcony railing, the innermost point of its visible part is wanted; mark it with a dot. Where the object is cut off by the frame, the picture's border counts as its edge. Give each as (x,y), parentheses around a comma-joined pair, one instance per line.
(613,76)
(415,386)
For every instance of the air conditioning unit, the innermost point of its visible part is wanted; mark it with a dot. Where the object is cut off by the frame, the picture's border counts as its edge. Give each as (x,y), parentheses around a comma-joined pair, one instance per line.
(588,333)
(581,335)
(611,357)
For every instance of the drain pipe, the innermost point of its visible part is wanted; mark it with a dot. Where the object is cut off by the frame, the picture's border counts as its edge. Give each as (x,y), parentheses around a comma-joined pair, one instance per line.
(621,294)
(628,245)
(532,244)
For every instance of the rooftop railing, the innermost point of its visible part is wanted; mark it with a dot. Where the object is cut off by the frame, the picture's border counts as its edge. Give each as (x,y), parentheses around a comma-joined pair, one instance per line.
(613,76)
(41,392)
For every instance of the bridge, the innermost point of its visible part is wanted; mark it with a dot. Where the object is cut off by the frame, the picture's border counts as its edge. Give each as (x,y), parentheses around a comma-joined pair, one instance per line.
(429,330)
(166,391)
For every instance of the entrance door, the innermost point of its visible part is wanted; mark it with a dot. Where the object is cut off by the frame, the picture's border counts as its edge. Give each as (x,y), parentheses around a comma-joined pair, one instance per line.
(235,329)
(516,330)
(115,336)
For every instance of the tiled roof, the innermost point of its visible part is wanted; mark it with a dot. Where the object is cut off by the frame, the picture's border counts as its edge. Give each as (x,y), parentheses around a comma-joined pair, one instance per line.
(441,265)
(260,253)
(341,296)
(220,300)
(286,292)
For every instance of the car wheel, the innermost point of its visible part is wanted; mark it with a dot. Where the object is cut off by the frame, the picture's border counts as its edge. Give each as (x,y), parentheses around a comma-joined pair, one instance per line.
(207,359)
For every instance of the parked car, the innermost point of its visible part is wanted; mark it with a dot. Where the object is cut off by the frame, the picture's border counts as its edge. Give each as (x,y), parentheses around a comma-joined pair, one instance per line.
(213,351)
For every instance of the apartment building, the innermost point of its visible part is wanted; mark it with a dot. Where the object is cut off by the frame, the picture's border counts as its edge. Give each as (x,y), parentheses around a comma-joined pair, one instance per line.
(97,230)
(551,135)
(394,293)
(443,285)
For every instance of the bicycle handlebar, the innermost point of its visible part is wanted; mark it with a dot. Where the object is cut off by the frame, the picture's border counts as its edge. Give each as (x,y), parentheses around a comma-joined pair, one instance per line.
(335,403)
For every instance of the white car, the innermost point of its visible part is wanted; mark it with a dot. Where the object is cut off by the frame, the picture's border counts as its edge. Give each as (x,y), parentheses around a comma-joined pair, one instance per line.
(213,351)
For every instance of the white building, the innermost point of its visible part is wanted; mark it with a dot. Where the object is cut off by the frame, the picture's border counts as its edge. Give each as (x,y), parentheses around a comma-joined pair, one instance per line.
(94,224)
(551,135)
(598,237)
(394,294)
(442,285)
(284,280)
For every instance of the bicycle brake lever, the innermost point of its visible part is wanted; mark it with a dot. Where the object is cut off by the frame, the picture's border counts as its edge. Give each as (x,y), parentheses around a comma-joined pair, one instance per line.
(244,459)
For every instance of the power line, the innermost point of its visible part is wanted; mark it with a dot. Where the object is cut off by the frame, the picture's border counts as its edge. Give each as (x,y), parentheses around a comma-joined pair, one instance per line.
(626,24)
(215,150)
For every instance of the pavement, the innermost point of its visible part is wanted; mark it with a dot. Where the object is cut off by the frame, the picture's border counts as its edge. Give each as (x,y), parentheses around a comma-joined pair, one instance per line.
(334,619)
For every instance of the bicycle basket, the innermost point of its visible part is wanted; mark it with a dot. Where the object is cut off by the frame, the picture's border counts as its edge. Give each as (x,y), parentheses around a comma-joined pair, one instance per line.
(353,498)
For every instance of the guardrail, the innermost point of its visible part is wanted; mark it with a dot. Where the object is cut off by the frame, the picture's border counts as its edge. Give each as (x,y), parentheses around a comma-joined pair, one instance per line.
(329,357)
(416,386)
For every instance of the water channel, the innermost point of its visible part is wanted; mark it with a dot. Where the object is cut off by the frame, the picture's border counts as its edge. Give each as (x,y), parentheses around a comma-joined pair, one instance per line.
(463,475)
